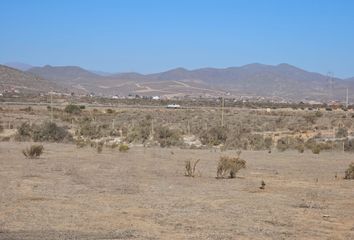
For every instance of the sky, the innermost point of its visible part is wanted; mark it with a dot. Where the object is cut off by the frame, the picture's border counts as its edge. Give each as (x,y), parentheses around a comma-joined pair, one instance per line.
(156,35)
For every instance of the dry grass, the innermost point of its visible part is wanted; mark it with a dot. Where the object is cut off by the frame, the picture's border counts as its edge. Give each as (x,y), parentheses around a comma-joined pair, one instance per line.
(230,166)
(33,152)
(190,168)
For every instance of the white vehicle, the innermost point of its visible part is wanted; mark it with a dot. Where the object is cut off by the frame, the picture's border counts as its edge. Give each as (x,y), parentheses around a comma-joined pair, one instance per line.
(173,106)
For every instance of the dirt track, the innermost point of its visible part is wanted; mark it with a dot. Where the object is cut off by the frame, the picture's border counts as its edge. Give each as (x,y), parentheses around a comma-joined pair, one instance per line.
(72,193)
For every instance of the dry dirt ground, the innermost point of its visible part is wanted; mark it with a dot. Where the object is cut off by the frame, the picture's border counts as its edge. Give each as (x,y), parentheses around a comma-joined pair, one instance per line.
(72,193)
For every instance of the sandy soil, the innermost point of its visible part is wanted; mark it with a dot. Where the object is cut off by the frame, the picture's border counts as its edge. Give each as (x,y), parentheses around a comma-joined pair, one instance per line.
(72,193)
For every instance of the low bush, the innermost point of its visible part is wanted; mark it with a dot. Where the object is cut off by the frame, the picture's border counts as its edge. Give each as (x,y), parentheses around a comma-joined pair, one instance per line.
(349,145)
(341,133)
(50,132)
(230,166)
(141,132)
(33,152)
(123,148)
(45,132)
(214,136)
(167,137)
(72,109)
(349,173)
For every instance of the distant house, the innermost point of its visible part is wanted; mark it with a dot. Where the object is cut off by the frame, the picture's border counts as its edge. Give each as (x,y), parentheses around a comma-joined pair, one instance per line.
(115,97)
(155,98)
(173,106)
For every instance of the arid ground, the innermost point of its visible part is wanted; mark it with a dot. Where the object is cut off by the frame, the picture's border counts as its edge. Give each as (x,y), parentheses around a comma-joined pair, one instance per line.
(76,193)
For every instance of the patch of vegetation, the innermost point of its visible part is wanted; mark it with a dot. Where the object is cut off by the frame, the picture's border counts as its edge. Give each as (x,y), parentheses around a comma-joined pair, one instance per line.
(167,137)
(72,109)
(33,152)
(214,136)
(123,148)
(190,168)
(294,143)
(341,133)
(349,173)
(349,145)
(45,132)
(230,166)
(141,132)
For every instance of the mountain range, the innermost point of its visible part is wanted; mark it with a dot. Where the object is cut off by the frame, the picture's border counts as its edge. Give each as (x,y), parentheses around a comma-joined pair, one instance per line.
(281,81)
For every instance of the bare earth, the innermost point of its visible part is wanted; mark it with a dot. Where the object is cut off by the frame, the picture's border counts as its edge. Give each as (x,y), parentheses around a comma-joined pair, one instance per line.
(72,193)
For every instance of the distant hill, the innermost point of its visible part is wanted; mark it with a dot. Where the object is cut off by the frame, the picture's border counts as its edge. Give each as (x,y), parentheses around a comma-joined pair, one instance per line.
(19,65)
(11,79)
(281,81)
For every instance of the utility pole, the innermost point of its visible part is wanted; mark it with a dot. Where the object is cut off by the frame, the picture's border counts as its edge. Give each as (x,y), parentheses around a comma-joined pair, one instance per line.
(222,111)
(347,100)
(51,107)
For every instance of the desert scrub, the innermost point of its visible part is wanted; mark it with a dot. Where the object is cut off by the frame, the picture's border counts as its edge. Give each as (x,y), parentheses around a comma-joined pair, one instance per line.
(141,132)
(230,166)
(72,109)
(33,152)
(341,133)
(349,173)
(288,142)
(50,132)
(349,145)
(123,148)
(45,132)
(214,136)
(167,137)
(190,168)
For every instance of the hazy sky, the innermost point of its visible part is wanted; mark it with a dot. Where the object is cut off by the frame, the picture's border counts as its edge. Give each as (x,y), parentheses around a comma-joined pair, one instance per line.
(156,35)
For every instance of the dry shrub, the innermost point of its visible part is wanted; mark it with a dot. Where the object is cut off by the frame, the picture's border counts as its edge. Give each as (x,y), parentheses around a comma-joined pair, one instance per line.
(214,136)
(72,109)
(190,168)
(349,173)
(288,142)
(168,137)
(33,152)
(230,165)
(123,148)
(341,133)
(99,147)
(349,145)
(45,132)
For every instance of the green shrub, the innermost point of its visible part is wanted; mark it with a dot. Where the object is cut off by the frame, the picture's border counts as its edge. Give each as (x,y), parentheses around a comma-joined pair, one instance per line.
(109,111)
(123,148)
(349,173)
(72,109)
(33,152)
